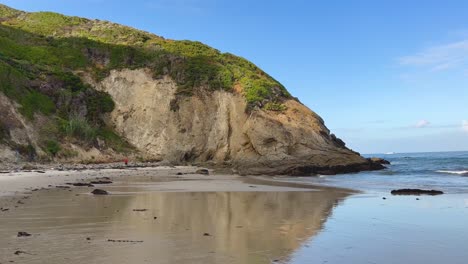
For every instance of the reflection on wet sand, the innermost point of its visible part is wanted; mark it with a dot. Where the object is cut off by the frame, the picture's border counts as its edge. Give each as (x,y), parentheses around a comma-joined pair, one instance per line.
(182,227)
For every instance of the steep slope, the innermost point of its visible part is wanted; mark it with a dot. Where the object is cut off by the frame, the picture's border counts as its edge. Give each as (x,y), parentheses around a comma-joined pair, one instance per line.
(76,85)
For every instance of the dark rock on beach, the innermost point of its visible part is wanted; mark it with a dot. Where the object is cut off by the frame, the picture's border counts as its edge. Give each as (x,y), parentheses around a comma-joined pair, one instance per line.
(416,192)
(62,187)
(99,192)
(19,252)
(203,171)
(101,182)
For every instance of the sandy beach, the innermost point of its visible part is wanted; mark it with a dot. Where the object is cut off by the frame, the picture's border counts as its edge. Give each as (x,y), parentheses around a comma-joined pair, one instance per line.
(175,215)
(157,215)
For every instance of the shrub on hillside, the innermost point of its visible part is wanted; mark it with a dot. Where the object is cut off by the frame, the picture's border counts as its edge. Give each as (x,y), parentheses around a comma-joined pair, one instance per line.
(79,128)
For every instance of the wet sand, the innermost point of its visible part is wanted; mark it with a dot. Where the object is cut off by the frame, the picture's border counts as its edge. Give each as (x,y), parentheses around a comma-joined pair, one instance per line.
(154,215)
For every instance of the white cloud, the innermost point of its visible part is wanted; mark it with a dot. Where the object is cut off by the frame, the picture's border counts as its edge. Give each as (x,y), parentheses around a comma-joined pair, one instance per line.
(465,125)
(440,57)
(422,123)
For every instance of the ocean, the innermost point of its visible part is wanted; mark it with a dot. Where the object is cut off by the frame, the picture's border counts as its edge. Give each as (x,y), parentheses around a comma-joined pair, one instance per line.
(377,227)
(446,171)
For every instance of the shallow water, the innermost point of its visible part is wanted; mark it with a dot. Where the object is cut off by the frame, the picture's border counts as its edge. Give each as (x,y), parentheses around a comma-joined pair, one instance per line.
(446,171)
(400,229)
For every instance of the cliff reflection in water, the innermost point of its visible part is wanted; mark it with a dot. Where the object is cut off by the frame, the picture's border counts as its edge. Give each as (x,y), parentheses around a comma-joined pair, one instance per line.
(243,227)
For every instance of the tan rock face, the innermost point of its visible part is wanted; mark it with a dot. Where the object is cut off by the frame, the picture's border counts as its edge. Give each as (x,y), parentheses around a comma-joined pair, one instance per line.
(214,126)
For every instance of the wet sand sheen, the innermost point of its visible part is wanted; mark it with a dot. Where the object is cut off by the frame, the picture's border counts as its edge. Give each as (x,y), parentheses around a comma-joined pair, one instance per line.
(243,226)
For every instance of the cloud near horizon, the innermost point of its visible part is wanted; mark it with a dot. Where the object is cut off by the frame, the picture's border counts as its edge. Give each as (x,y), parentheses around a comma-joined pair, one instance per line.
(465,125)
(440,57)
(422,123)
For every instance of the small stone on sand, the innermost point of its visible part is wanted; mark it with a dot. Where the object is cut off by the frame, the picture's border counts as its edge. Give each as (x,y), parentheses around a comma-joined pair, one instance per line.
(99,192)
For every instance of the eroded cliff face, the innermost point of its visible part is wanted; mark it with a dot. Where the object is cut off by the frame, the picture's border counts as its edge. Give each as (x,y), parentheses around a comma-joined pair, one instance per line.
(214,127)
(21,139)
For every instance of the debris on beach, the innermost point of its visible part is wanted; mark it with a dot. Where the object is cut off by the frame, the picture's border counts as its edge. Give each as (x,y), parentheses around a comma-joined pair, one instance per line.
(23,234)
(416,192)
(81,184)
(206,234)
(140,210)
(124,241)
(99,192)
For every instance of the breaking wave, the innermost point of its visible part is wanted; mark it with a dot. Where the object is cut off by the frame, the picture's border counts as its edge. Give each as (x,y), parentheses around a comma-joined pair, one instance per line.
(459,172)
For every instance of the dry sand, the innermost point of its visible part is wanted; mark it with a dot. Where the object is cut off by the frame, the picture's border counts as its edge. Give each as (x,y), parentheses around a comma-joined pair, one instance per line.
(166,178)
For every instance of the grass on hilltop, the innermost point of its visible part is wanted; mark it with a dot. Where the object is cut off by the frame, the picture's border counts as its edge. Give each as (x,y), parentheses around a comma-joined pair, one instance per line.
(56,41)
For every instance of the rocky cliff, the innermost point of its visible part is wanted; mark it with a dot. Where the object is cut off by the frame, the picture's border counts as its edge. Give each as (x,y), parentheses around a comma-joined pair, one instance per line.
(74,89)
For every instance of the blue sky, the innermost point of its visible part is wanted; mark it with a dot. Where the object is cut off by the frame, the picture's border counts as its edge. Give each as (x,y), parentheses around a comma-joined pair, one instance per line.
(385,75)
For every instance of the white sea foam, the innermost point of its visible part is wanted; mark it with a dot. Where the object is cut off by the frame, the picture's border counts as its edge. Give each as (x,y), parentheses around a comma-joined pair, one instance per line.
(459,172)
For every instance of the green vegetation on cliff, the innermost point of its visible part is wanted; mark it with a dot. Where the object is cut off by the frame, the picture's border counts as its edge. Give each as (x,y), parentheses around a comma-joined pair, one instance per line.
(43,54)
(56,41)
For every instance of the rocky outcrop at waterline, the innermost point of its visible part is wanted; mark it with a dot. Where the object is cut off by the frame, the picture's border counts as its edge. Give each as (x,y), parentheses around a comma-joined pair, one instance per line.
(379,161)
(416,192)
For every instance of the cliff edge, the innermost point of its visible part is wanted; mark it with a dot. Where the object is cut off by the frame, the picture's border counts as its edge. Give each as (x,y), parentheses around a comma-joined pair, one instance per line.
(74,89)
